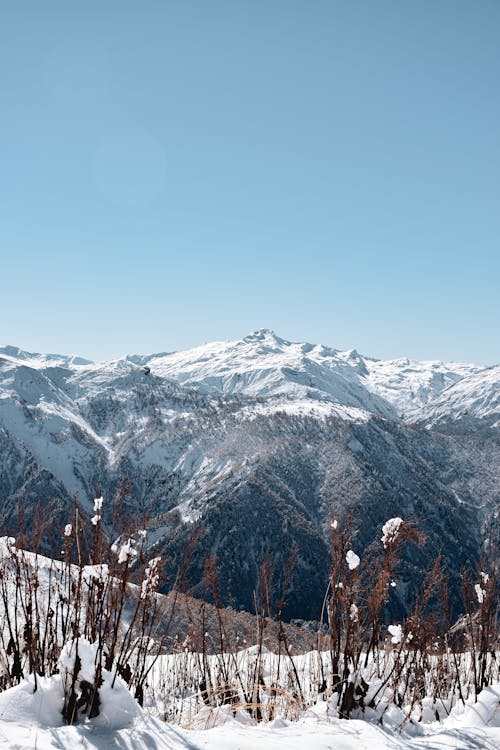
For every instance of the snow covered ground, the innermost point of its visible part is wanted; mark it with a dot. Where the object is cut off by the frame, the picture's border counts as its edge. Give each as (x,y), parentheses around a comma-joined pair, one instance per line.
(32,720)
(31,713)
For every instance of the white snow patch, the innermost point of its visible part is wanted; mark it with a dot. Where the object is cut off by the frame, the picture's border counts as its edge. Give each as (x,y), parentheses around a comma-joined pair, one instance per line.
(396,632)
(390,531)
(352,560)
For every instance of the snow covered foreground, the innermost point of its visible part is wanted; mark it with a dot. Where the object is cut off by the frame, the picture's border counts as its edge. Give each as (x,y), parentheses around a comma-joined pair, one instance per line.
(33,720)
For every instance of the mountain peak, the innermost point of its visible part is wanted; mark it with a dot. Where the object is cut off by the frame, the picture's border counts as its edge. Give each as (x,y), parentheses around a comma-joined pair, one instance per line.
(261,334)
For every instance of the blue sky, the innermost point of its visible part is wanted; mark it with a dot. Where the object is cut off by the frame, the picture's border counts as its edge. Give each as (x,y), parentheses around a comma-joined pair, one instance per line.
(177,172)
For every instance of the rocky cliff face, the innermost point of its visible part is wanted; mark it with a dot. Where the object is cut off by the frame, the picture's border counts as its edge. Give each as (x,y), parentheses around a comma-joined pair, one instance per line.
(259,442)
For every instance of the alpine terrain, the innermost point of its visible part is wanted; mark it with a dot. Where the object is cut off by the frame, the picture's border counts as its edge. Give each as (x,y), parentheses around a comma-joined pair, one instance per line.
(260,444)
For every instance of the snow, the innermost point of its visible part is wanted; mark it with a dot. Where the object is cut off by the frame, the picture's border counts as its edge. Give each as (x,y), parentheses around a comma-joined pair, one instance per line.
(52,404)
(262,365)
(483,712)
(303,407)
(480,593)
(117,707)
(125,550)
(151,577)
(21,705)
(33,720)
(396,632)
(476,395)
(265,365)
(87,655)
(41,361)
(98,503)
(352,560)
(390,531)
(411,384)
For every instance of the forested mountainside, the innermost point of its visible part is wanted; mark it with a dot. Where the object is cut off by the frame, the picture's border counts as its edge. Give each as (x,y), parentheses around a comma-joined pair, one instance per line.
(259,442)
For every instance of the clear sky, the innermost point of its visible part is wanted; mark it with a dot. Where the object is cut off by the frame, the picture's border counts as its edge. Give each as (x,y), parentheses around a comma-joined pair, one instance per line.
(178,172)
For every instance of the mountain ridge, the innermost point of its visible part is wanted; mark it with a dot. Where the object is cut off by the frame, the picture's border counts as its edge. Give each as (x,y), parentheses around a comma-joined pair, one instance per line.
(263,364)
(260,461)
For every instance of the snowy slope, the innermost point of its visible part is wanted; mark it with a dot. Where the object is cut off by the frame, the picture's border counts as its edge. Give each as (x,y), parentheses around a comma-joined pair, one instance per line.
(33,359)
(263,364)
(476,396)
(410,385)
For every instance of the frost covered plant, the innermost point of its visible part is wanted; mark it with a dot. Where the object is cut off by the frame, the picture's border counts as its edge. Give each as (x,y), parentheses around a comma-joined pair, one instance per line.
(481,588)
(151,578)
(126,551)
(89,689)
(98,503)
(396,631)
(480,593)
(390,531)
(97,507)
(482,624)
(352,560)
(395,532)
(56,613)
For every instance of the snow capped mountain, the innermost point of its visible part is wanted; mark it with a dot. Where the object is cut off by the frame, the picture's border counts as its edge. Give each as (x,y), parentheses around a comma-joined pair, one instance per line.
(263,365)
(475,396)
(37,361)
(410,385)
(259,441)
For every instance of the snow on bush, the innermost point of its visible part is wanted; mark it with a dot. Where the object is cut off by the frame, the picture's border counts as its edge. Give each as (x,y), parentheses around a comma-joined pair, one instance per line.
(97,507)
(87,658)
(82,665)
(125,550)
(41,703)
(390,531)
(98,503)
(352,560)
(151,578)
(7,547)
(397,633)
(480,593)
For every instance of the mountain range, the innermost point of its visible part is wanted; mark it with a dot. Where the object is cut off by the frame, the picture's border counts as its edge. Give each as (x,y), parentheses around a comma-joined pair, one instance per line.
(259,443)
